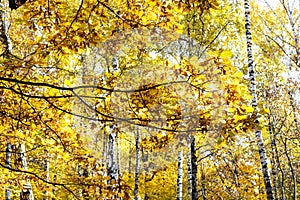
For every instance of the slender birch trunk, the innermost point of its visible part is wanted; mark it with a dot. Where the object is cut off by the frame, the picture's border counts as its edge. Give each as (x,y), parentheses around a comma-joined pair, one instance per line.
(26,192)
(112,164)
(119,162)
(194,169)
(5,40)
(258,134)
(273,159)
(4,37)
(294,30)
(112,168)
(180,174)
(8,165)
(104,153)
(280,172)
(137,165)
(189,172)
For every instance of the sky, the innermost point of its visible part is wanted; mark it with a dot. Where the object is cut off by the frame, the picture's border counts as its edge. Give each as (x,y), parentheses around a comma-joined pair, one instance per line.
(273,3)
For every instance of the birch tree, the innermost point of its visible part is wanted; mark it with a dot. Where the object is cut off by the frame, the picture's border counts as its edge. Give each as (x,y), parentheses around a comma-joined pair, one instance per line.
(194,168)
(180,175)
(8,165)
(112,162)
(258,133)
(26,191)
(137,164)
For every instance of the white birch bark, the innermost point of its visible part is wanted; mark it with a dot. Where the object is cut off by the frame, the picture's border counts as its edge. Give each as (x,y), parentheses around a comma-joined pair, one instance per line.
(5,40)
(112,167)
(112,163)
(8,165)
(180,174)
(258,134)
(189,171)
(26,193)
(137,165)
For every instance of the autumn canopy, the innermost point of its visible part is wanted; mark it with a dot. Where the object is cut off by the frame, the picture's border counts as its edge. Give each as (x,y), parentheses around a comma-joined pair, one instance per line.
(149,99)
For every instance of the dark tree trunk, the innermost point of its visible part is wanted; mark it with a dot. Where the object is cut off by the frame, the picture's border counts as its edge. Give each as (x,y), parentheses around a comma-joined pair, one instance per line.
(194,169)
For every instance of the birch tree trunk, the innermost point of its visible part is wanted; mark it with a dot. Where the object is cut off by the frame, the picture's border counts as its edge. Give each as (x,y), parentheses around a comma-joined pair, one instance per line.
(137,166)
(112,164)
(8,165)
(104,153)
(258,134)
(194,169)
(273,159)
(4,37)
(119,162)
(189,172)
(180,174)
(26,192)
(5,40)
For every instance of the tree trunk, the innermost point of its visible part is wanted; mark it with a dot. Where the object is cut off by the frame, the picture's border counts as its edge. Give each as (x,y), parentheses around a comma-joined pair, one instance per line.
(194,169)
(119,162)
(112,168)
(112,164)
(8,165)
(137,165)
(294,30)
(5,40)
(104,153)
(258,134)
(4,37)
(26,192)
(180,174)
(189,171)
(273,159)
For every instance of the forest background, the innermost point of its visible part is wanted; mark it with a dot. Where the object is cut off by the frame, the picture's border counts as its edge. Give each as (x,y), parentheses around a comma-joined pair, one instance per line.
(173,99)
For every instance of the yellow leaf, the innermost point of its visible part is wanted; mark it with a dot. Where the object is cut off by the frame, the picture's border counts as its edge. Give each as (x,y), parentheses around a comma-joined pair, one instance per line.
(266,110)
(238,74)
(249,109)
(226,54)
